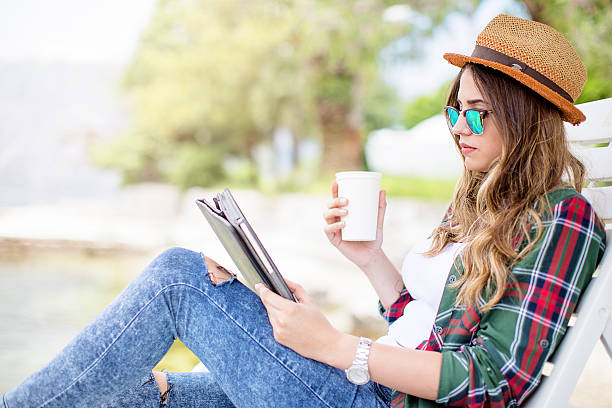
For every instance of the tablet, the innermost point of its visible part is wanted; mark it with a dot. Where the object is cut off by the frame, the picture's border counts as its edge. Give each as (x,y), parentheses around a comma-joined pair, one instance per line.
(242,244)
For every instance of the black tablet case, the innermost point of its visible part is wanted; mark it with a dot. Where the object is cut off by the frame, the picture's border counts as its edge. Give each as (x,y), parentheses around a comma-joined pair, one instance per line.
(224,218)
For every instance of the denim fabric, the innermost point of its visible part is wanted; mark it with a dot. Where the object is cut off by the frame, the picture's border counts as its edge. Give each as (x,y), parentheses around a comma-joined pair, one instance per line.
(187,390)
(226,326)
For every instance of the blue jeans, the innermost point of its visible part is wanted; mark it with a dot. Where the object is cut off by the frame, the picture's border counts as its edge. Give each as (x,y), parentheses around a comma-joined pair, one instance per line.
(226,326)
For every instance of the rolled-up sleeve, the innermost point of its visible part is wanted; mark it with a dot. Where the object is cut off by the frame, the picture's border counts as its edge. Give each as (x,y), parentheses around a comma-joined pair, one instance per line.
(395,310)
(503,363)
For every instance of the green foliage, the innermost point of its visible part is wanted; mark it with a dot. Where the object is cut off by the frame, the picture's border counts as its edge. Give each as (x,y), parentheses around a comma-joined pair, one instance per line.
(425,106)
(218,77)
(381,107)
(586,24)
(426,189)
(399,186)
(193,165)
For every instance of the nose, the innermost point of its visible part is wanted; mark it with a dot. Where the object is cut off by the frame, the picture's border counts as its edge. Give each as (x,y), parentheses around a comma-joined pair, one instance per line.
(461,127)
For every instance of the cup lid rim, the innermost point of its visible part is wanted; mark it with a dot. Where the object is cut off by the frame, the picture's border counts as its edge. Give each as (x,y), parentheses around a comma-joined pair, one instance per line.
(361,174)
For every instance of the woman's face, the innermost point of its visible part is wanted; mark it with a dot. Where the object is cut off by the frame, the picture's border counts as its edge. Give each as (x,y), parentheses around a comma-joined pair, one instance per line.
(479,151)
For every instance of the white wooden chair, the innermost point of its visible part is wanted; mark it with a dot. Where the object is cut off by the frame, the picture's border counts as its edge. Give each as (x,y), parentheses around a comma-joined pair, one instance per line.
(593,318)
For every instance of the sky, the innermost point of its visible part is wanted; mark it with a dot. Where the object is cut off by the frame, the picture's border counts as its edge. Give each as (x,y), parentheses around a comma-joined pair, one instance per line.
(72,30)
(458,35)
(108,32)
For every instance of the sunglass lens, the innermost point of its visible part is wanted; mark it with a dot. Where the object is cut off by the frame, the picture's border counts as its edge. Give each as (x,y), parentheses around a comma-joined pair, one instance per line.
(474,121)
(453,116)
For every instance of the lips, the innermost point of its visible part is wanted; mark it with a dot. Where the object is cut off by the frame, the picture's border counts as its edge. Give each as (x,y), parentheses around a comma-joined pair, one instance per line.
(466,148)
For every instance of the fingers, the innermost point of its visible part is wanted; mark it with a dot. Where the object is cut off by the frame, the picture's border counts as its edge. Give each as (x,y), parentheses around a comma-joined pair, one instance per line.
(382,204)
(333,214)
(292,285)
(382,208)
(335,211)
(337,202)
(271,299)
(299,291)
(334,227)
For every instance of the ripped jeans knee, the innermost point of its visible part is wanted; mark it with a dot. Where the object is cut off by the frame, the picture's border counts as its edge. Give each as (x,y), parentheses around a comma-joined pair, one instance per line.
(217,273)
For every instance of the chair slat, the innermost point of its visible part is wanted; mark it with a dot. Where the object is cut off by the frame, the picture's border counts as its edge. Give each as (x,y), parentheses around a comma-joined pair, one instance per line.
(597,160)
(598,126)
(601,199)
(592,134)
(606,337)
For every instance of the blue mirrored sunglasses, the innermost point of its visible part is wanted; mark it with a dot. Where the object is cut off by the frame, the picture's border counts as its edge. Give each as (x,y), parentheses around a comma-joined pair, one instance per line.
(473,117)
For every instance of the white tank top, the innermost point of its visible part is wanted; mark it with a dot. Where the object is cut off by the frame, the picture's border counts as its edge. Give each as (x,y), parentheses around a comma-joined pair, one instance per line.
(424,278)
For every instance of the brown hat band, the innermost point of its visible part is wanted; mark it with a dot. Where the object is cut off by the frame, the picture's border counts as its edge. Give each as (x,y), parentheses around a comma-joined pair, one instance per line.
(490,54)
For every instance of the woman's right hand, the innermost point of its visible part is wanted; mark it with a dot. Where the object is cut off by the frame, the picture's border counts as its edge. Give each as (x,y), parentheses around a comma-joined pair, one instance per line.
(361,253)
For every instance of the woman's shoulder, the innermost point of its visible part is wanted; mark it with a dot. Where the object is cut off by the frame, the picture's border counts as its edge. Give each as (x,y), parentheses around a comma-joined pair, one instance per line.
(562,200)
(560,194)
(566,206)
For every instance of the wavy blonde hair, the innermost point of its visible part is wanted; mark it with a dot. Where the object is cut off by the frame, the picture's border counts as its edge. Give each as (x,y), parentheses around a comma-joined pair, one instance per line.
(493,212)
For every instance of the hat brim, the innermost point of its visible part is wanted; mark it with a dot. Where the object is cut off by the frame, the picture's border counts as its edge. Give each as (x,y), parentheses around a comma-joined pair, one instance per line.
(570,112)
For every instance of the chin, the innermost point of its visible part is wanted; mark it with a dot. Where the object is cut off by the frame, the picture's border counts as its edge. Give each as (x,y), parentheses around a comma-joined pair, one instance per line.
(470,165)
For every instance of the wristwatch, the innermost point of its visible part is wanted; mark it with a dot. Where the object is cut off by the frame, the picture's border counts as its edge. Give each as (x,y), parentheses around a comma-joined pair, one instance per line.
(358,372)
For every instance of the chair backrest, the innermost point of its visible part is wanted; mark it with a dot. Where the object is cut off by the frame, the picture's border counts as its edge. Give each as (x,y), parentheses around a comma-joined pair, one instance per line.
(591,142)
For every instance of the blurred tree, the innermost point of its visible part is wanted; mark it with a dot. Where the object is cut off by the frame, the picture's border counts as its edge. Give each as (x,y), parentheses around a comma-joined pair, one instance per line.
(425,106)
(586,24)
(214,78)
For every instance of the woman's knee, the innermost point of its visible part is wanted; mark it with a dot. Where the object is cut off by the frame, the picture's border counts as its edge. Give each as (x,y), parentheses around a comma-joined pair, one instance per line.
(178,256)
(177,262)
(175,265)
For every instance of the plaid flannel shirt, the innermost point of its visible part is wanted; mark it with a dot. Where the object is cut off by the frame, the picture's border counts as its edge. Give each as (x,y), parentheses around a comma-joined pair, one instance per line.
(495,359)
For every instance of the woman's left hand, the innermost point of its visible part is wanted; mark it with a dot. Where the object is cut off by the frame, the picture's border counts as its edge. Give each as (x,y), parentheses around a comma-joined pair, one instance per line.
(300,326)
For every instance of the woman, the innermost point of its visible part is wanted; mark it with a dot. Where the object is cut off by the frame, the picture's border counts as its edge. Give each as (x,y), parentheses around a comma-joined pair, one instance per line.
(502,271)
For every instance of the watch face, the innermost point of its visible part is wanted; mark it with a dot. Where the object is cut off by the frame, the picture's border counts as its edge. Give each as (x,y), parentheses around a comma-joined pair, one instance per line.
(358,375)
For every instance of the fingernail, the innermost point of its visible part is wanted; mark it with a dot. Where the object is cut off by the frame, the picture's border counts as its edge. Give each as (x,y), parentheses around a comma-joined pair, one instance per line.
(343,211)
(258,286)
(343,201)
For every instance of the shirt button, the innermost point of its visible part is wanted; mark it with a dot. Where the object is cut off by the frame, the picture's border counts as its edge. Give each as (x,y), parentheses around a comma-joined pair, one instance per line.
(438,329)
(452,279)
(544,343)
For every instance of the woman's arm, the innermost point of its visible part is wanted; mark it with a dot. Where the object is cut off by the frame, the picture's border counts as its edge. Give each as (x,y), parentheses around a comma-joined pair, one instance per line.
(413,372)
(303,328)
(385,278)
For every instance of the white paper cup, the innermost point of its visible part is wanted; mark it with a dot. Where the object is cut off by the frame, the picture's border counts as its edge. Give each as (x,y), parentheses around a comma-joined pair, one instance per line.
(361,189)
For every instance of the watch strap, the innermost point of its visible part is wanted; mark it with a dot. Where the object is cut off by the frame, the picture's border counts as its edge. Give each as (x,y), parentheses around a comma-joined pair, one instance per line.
(363,351)
(359,373)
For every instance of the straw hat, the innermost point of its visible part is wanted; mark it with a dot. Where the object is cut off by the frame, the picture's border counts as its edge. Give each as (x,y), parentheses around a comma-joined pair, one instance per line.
(536,55)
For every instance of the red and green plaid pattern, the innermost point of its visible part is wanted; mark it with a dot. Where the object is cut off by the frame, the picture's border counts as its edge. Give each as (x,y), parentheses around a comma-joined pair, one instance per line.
(495,359)
(396,310)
